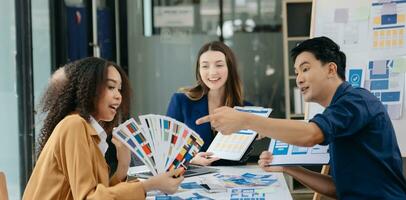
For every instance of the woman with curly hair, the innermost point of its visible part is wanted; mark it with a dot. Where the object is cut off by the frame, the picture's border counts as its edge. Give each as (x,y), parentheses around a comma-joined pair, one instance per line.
(87,105)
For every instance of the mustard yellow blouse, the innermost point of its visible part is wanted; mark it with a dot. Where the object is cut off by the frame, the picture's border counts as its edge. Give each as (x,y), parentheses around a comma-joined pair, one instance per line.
(71,166)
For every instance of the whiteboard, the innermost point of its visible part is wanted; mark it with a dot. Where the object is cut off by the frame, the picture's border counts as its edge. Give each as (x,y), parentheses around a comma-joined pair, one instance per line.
(354,25)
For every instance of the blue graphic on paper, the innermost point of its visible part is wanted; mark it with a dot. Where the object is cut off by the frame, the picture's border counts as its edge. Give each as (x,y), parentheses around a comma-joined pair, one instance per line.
(280,148)
(191,185)
(355,77)
(380,84)
(389,19)
(246,180)
(390,96)
(196,196)
(296,150)
(379,69)
(165,197)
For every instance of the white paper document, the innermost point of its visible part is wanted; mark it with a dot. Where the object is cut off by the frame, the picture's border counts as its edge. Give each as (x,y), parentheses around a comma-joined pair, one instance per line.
(387,28)
(386,85)
(345,22)
(233,147)
(287,154)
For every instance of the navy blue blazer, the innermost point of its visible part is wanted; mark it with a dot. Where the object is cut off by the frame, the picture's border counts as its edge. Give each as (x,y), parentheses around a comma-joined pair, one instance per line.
(188,111)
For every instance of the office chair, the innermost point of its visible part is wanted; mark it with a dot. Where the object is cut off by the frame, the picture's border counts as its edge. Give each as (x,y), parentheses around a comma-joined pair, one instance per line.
(324,170)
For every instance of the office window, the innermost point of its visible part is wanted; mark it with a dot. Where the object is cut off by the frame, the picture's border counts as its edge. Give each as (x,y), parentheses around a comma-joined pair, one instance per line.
(162,59)
(180,17)
(9,145)
(250,16)
(41,40)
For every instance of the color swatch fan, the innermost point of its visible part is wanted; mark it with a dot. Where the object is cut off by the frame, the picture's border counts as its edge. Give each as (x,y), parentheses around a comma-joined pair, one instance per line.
(160,142)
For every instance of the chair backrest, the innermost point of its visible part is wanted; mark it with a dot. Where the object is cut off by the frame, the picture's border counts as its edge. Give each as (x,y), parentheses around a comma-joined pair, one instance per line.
(3,187)
(324,170)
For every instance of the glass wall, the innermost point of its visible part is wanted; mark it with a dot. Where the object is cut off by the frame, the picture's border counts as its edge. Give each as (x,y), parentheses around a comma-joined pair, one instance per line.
(9,117)
(9,149)
(252,28)
(41,53)
(165,36)
(159,63)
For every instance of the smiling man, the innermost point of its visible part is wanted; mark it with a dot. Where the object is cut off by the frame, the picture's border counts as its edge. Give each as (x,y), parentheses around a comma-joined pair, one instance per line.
(364,155)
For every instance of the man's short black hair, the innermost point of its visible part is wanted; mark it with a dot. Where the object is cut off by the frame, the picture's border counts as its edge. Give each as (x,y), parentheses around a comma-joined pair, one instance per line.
(323,49)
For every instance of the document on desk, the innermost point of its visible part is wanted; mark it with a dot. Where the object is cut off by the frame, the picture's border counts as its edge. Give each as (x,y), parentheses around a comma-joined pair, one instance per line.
(287,154)
(233,147)
(242,182)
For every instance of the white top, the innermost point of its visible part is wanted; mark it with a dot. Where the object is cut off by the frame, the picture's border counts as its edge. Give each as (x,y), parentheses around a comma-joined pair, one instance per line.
(102,135)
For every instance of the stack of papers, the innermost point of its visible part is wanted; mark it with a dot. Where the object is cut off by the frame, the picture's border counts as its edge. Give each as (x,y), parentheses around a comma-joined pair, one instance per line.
(160,142)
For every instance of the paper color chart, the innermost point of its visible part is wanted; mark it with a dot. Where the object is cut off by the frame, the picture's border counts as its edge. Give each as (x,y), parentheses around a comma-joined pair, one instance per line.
(227,145)
(233,147)
(160,142)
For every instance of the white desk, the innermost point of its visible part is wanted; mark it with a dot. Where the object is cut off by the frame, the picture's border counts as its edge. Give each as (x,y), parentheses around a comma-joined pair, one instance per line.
(278,190)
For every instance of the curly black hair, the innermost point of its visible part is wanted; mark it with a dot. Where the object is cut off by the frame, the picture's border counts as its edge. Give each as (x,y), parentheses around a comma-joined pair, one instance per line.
(85,79)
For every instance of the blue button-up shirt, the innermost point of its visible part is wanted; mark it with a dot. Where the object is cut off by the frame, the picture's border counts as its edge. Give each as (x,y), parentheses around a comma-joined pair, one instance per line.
(364,155)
